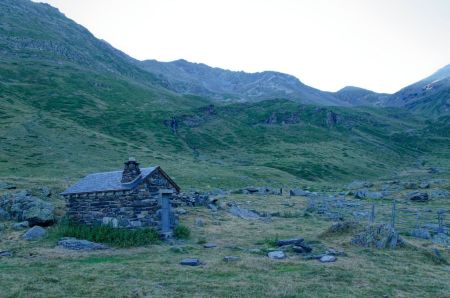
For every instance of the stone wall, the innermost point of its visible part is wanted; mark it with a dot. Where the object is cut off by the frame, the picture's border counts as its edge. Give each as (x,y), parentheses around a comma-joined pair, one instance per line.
(135,208)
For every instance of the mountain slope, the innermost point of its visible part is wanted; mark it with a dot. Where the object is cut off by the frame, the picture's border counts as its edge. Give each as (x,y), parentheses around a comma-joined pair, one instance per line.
(430,96)
(356,96)
(236,86)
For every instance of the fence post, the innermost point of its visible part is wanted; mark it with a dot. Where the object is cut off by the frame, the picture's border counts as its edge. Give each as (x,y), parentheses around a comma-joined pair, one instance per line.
(440,221)
(394,211)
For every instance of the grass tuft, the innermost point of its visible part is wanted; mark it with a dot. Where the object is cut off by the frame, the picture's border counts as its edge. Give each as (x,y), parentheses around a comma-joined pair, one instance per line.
(182,232)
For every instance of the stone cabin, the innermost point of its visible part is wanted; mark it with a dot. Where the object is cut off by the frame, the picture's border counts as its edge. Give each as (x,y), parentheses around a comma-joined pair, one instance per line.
(131,198)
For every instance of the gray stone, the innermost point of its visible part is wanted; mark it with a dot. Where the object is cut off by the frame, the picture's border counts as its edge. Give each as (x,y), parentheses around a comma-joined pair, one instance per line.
(21,225)
(276,255)
(6,253)
(441,238)
(420,233)
(374,195)
(209,245)
(417,196)
(190,262)
(409,185)
(255,250)
(302,248)
(180,211)
(293,241)
(243,213)
(231,258)
(378,236)
(4,185)
(23,206)
(35,233)
(359,184)
(46,192)
(199,222)
(328,259)
(76,244)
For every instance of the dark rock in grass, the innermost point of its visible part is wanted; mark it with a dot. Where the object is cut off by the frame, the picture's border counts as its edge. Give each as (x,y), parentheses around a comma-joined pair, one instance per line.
(35,233)
(293,241)
(21,225)
(327,259)
(4,185)
(378,236)
(209,245)
(420,233)
(6,253)
(302,248)
(417,196)
(190,262)
(276,255)
(76,244)
(231,258)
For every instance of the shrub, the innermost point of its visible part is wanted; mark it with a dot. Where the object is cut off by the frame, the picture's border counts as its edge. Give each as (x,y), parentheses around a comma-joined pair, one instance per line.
(182,232)
(107,234)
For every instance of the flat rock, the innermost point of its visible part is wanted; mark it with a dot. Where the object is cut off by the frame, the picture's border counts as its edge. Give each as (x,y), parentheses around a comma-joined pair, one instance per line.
(292,241)
(231,258)
(209,245)
(276,255)
(35,233)
(77,244)
(297,192)
(420,233)
(243,213)
(327,259)
(190,262)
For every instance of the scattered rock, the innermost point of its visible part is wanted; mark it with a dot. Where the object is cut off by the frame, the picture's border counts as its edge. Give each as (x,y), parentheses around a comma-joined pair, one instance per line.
(417,196)
(21,225)
(276,255)
(293,241)
(35,233)
(231,258)
(255,250)
(420,233)
(243,213)
(302,248)
(261,190)
(439,194)
(6,253)
(409,185)
(328,259)
(4,185)
(334,252)
(359,184)
(4,215)
(190,262)
(341,228)
(180,211)
(378,236)
(77,244)
(363,194)
(209,245)
(46,192)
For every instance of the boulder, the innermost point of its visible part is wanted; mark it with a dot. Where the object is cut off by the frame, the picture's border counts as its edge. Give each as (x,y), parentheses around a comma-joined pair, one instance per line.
(420,233)
(231,258)
(378,236)
(35,233)
(190,262)
(417,196)
(22,206)
(77,244)
(295,192)
(209,245)
(276,255)
(327,259)
(293,241)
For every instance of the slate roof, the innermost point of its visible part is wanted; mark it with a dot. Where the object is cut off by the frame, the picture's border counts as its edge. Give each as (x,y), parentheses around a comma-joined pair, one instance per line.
(109,181)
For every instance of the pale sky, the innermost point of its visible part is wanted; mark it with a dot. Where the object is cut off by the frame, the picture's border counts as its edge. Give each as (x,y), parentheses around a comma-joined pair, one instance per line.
(382,45)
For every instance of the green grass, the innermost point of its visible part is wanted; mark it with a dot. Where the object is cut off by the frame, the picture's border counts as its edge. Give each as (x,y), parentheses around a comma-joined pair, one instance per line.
(106,234)
(182,232)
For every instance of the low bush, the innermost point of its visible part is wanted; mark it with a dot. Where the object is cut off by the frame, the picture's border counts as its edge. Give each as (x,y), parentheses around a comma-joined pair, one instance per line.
(107,234)
(182,232)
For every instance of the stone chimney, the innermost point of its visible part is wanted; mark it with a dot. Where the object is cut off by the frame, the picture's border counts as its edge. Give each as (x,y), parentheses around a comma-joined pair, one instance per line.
(131,170)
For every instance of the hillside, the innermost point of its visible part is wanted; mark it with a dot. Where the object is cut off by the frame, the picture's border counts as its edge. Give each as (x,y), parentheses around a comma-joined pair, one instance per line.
(430,96)
(71,104)
(356,96)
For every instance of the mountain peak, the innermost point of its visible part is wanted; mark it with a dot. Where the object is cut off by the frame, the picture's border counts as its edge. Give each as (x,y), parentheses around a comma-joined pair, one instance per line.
(440,74)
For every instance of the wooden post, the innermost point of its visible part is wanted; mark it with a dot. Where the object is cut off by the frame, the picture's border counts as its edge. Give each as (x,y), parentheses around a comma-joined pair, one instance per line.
(394,211)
